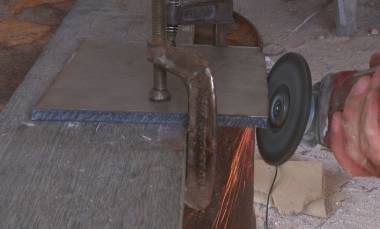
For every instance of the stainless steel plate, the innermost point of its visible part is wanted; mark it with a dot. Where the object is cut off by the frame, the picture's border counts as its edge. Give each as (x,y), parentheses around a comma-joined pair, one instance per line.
(110,82)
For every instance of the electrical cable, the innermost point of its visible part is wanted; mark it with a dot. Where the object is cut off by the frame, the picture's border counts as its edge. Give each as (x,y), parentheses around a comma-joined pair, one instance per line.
(269,194)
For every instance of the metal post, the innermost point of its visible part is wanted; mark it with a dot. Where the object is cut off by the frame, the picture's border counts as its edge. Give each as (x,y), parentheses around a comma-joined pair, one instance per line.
(220,35)
(346,17)
(220,30)
(159,91)
(172,27)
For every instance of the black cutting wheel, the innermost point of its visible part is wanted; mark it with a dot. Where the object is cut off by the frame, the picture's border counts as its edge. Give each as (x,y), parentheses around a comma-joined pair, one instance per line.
(290,91)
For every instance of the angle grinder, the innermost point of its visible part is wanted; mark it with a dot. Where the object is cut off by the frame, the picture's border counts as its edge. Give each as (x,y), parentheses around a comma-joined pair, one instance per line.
(290,97)
(299,112)
(329,96)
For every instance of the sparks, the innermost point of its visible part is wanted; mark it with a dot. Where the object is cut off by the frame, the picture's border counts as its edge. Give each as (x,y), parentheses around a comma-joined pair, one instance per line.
(236,180)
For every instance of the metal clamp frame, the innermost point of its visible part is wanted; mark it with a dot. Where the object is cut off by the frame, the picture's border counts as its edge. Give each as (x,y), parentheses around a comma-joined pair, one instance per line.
(201,134)
(198,79)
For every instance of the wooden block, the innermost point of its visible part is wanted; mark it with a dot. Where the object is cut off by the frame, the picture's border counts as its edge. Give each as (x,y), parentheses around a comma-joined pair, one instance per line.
(299,187)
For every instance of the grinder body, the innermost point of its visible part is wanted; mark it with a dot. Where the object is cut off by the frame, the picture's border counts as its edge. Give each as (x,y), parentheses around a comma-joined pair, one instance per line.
(328,96)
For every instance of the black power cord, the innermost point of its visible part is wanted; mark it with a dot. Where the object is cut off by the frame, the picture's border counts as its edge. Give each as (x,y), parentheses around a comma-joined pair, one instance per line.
(269,194)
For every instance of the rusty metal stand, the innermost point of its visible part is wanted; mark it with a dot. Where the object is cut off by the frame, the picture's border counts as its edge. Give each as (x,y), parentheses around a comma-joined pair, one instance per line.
(198,78)
(232,203)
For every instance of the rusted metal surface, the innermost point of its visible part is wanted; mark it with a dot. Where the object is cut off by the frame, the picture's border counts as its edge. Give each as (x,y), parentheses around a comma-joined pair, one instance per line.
(220,32)
(218,14)
(242,33)
(221,29)
(232,202)
(198,78)
(201,144)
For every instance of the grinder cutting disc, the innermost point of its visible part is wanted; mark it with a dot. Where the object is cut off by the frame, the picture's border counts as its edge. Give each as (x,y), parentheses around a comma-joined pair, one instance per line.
(290,91)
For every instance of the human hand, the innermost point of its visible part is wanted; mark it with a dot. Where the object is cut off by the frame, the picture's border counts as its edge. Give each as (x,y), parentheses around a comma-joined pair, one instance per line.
(355,132)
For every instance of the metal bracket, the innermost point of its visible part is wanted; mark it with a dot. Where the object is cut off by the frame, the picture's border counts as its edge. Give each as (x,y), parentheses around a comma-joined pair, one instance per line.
(198,78)
(200,13)
(201,136)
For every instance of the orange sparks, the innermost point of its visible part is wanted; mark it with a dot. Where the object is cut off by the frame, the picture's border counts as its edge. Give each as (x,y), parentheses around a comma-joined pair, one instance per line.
(241,164)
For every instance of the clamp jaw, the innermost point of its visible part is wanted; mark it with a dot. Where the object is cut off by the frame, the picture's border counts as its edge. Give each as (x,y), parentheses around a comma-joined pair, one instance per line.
(198,78)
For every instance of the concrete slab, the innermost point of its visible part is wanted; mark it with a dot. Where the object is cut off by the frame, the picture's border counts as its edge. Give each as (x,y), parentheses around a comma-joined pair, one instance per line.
(88,175)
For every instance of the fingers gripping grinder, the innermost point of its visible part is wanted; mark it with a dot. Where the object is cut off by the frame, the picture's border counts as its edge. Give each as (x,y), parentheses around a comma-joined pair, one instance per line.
(329,96)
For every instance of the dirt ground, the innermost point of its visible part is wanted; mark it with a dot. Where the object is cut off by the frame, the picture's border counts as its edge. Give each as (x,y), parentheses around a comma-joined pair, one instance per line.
(37,20)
